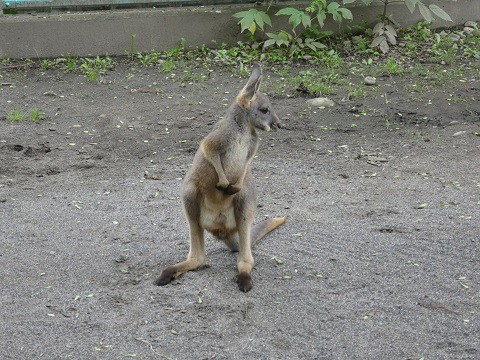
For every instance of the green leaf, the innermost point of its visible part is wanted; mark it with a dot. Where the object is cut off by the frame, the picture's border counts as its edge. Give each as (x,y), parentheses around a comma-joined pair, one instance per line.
(295,20)
(391,38)
(247,22)
(377,41)
(391,30)
(306,22)
(425,11)
(279,261)
(348,1)
(241,14)
(265,18)
(336,16)
(347,14)
(321,16)
(332,6)
(384,46)
(259,21)
(411,5)
(287,11)
(439,12)
(269,42)
(252,19)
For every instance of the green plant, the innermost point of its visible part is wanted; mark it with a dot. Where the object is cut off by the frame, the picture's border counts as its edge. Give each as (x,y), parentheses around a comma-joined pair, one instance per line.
(471,45)
(320,81)
(168,65)
(252,19)
(177,50)
(392,67)
(355,91)
(16,115)
(47,64)
(302,41)
(444,50)
(385,34)
(35,115)
(132,46)
(148,59)
(71,63)
(302,38)
(95,66)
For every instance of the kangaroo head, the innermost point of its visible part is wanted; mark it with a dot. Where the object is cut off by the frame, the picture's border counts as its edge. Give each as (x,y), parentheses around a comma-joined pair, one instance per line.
(259,110)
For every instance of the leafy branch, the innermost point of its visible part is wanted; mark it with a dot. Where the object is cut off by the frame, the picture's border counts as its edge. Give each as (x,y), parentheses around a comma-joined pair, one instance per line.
(304,34)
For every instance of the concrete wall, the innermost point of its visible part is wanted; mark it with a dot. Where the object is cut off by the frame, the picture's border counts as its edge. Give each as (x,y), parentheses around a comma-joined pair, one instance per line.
(97,33)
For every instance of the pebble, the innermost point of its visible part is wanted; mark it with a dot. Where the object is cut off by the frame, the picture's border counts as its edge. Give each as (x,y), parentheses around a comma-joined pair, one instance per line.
(370,80)
(458,133)
(320,101)
(471,24)
(454,37)
(468,30)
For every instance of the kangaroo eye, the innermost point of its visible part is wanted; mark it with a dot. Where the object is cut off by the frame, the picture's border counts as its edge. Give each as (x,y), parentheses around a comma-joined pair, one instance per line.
(264,110)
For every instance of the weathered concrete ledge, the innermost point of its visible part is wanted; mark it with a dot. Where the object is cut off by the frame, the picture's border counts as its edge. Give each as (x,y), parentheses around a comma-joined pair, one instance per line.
(97,33)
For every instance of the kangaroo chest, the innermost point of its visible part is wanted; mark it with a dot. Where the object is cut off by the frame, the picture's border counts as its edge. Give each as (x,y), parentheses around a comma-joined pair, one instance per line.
(237,156)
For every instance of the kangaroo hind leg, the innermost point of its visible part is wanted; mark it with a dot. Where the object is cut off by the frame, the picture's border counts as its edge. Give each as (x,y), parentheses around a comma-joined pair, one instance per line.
(196,256)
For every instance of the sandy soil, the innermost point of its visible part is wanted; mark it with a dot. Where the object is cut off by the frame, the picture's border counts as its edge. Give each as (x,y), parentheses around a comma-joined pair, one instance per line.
(380,257)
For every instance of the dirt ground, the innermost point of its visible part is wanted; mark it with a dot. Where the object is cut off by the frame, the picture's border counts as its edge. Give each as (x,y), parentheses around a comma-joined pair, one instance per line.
(380,257)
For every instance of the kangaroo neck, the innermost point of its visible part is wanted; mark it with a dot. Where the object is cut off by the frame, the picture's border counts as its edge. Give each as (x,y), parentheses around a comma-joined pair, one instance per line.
(240,116)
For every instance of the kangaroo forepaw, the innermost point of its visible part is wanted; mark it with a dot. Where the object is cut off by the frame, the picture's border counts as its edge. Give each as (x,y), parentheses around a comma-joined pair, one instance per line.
(245,282)
(232,189)
(222,186)
(167,275)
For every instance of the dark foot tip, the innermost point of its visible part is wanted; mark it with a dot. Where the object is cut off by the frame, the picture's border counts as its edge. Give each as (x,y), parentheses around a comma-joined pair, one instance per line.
(245,282)
(166,277)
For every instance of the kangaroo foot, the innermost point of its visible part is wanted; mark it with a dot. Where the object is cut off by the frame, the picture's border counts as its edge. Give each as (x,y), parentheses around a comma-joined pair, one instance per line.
(245,282)
(167,275)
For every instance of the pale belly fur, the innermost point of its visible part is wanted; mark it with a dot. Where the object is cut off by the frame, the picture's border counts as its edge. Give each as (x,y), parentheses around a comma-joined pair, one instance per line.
(217,218)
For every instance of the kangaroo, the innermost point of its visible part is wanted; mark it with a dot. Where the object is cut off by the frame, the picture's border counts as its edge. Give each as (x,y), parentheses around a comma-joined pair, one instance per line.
(219,193)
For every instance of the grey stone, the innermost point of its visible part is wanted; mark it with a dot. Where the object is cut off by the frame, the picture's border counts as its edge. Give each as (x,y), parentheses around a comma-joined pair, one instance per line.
(370,80)
(320,101)
(472,24)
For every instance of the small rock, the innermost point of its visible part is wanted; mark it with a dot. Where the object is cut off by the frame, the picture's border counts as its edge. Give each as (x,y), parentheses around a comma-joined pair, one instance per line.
(320,102)
(471,24)
(468,30)
(370,80)
(454,37)
(458,133)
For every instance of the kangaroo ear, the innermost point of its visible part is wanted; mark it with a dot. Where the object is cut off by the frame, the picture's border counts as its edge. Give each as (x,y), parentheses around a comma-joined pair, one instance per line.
(251,88)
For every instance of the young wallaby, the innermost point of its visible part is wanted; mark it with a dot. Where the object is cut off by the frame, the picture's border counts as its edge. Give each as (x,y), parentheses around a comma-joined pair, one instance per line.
(219,194)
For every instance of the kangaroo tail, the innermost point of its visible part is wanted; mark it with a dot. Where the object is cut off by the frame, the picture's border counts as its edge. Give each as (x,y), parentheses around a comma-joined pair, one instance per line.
(263,228)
